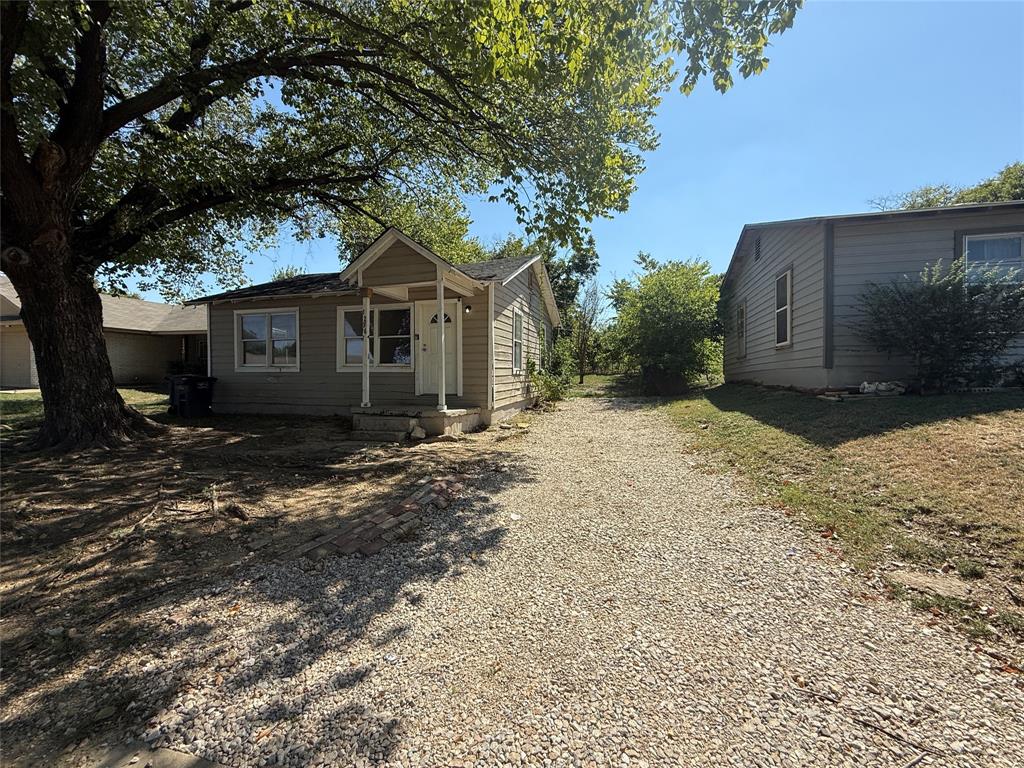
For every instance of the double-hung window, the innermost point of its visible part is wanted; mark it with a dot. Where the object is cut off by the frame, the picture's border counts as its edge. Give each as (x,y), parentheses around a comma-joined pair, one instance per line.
(994,257)
(517,341)
(267,340)
(389,337)
(784,309)
(741,330)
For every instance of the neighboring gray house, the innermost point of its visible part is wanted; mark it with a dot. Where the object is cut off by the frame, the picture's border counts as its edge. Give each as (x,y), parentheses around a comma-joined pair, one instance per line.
(144,339)
(400,338)
(792,289)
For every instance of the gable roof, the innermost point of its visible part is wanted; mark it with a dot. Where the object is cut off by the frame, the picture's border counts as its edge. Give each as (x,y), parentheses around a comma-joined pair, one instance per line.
(346,282)
(123,313)
(903,213)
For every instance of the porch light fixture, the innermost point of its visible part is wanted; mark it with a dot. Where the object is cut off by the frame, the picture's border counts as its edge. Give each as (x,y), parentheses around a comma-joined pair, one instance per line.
(469,308)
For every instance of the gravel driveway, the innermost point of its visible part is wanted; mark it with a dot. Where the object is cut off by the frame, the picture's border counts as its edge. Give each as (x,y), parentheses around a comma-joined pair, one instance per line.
(597,600)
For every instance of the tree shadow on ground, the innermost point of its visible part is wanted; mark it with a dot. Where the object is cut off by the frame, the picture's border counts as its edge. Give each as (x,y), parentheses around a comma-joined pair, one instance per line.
(830,424)
(124,584)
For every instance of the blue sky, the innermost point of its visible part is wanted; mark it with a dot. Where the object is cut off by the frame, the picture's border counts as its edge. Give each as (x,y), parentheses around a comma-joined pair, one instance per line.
(861,99)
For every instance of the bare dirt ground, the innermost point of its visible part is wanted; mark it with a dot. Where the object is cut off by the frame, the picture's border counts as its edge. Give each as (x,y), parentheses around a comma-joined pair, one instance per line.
(93,541)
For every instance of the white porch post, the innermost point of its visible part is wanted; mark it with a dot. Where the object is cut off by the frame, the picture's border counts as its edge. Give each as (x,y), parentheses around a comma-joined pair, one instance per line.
(441,386)
(366,347)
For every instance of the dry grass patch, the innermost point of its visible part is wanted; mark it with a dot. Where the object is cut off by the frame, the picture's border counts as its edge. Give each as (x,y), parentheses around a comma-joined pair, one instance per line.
(933,483)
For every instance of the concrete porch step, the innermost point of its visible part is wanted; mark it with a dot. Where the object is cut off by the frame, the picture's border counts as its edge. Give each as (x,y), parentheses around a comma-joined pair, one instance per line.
(378,435)
(382,423)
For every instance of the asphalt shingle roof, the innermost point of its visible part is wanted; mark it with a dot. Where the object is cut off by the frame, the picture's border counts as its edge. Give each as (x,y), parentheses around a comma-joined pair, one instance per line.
(495,270)
(126,314)
(321,282)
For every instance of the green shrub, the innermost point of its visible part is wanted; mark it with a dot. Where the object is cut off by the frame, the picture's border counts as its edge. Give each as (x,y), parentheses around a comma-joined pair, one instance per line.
(547,386)
(950,328)
(667,325)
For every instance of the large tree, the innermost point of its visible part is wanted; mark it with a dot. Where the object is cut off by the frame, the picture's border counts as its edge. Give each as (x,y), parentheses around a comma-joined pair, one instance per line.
(157,137)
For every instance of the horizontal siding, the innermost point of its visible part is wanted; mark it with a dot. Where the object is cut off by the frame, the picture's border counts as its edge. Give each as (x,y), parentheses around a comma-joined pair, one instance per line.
(509,387)
(318,387)
(801,247)
(886,251)
(399,264)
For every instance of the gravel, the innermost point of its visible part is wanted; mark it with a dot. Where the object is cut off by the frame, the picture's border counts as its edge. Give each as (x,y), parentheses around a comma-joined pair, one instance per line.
(596,598)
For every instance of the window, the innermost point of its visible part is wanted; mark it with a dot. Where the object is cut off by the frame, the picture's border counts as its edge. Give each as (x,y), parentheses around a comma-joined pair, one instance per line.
(352,331)
(783,309)
(741,330)
(517,341)
(394,337)
(268,340)
(389,336)
(998,257)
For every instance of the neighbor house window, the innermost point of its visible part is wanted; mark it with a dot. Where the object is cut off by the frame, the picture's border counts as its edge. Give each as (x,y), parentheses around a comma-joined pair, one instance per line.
(268,340)
(517,341)
(741,330)
(998,257)
(784,309)
(390,337)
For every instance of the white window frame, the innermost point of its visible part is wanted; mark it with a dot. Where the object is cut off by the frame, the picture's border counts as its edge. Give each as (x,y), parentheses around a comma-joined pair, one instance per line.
(517,315)
(268,367)
(787,308)
(988,236)
(741,322)
(375,365)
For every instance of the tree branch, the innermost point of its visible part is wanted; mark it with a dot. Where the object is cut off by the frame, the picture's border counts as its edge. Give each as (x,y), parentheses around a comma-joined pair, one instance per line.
(80,114)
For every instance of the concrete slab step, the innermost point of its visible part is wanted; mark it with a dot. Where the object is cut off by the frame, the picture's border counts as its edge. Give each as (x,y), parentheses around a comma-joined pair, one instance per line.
(378,423)
(378,435)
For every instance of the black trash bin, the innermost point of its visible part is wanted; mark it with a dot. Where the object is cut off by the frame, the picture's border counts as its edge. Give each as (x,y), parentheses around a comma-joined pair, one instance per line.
(191,395)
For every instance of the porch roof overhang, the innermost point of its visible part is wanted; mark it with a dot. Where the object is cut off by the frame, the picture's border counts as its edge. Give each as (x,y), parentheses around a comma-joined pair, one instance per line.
(453,277)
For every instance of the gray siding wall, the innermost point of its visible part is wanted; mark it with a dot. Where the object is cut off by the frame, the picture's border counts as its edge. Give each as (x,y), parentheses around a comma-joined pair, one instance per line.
(318,387)
(883,251)
(522,292)
(801,247)
(17,363)
(141,358)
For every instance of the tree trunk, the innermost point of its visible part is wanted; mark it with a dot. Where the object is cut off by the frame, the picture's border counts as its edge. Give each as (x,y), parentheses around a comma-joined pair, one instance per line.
(63,316)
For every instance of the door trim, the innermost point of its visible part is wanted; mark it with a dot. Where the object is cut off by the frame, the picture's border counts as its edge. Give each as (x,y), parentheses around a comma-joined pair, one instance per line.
(458,343)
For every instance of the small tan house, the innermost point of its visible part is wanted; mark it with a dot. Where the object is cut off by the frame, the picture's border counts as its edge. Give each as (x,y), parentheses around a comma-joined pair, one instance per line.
(145,339)
(793,287)
(400,338)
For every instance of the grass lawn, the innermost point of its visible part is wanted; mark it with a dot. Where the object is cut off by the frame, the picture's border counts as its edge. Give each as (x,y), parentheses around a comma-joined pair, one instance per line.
(932,482)
(21,412)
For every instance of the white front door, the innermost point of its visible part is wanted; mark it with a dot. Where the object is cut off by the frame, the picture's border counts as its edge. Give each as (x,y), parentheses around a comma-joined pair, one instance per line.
(428,357)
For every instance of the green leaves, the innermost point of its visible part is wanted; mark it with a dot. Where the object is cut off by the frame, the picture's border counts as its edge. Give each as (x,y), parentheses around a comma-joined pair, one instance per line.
(944,327)
(667,322)
(220,121)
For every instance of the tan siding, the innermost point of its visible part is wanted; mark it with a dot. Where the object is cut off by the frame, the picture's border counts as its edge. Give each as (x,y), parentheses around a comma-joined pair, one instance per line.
(17,368)
(399,264)
(511,388)
(883,251)
(474,350)
(802,247)
(141,358)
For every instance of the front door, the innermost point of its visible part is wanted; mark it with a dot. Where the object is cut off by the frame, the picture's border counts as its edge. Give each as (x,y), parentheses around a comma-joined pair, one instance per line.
(427,362)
